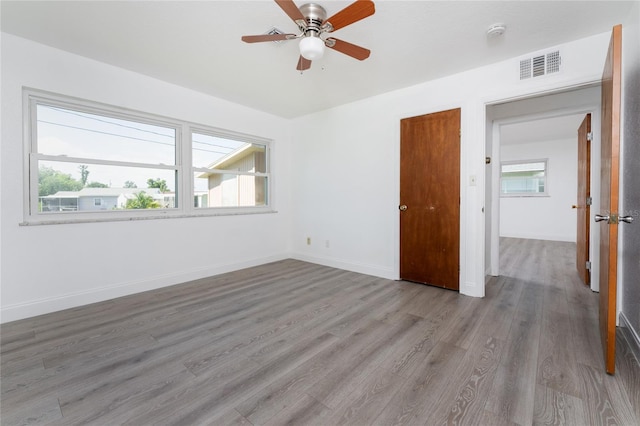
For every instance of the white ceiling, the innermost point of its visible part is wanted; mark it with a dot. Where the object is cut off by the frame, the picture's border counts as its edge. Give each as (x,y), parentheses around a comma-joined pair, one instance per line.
(547,129)
(197,44)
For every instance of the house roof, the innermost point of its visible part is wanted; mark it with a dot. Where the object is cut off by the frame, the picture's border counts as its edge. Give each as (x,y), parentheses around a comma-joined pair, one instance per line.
(410,41)
(231,158)
(102,192)
(115,192)
(62,194)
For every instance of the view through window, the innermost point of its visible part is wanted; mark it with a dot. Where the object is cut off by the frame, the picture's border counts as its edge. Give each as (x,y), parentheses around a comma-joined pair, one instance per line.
(523,178)
(86,159)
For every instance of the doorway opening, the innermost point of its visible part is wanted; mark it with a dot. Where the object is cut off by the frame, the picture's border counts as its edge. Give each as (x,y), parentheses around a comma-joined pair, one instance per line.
(533,142)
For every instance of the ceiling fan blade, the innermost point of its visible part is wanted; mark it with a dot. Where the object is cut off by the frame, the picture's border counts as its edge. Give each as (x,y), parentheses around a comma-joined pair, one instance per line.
(355,51)
(292,10)
(267,37)
(350,14)
(303,64)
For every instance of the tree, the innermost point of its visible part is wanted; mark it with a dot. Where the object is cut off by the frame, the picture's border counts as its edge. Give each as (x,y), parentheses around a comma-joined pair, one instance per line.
(84,173)
(161,184)
(142,201)
(51,181)
(97,185)
(130,184)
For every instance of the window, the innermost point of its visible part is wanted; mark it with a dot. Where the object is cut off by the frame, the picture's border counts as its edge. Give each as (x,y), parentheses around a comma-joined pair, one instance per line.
(523,178)
(229,172)
(88,161)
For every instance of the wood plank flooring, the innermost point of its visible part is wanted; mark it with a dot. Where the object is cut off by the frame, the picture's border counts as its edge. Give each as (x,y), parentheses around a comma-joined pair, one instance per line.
(297,343)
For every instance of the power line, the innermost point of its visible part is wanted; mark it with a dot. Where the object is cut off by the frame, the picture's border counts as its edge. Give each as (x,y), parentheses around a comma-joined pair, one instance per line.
(210,150)
(92,117)
(124,137)
(106,133)
(212,144)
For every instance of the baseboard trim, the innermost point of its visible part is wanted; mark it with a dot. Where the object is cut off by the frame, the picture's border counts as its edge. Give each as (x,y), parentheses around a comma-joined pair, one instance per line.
(360,268)
(630,335)
(47,305)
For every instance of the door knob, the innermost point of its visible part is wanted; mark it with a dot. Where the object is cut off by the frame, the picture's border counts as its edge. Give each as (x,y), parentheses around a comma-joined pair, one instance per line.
(403,207)
(614,218)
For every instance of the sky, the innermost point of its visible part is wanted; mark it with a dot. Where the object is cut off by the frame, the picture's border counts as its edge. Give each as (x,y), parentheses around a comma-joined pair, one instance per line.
(64,132)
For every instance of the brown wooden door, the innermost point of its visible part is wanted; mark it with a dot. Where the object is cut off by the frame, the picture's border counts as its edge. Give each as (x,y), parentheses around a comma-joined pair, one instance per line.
(430,190)
(609,184)
(584,193)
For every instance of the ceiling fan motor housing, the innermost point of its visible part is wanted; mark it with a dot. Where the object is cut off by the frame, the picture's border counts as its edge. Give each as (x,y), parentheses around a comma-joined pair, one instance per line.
(315,16)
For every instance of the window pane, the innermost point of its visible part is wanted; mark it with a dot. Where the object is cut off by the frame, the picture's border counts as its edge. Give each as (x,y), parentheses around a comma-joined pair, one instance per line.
(523,167)
(229,190)
(93,187)
(213,152)
(523,178)
(79,134)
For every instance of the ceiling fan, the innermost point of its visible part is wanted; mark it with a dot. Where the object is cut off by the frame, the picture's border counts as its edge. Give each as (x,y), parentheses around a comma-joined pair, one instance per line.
(311,19)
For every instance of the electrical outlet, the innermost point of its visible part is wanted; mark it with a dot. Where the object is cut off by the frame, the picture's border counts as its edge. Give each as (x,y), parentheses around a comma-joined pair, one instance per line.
(326,243)
(308,241)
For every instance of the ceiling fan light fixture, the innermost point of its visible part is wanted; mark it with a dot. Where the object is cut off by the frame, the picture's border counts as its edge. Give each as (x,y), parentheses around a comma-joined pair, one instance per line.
(312,48)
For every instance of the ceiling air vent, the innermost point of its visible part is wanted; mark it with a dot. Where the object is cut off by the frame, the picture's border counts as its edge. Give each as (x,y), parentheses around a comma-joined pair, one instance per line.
(540,65)
(274,31)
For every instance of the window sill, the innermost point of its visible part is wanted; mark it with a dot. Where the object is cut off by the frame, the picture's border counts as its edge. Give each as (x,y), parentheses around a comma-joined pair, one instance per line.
(67,221)
(525,195)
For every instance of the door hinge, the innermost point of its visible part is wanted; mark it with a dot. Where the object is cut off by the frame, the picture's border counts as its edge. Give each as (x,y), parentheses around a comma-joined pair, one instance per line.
(589,201)
(588,265)
(590,136)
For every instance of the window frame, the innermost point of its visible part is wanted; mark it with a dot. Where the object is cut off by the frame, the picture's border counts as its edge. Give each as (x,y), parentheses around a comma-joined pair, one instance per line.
(238,138)
(184,170)
(526,194)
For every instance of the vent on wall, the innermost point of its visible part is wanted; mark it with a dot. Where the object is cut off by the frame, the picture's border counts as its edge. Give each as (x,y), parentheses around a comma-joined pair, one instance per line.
(540,65)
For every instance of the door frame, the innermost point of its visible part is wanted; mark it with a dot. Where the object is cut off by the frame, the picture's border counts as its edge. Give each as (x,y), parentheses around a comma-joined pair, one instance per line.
(493,187)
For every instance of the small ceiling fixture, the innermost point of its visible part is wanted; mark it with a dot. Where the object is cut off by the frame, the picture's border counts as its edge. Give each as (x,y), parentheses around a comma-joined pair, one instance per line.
(496,30)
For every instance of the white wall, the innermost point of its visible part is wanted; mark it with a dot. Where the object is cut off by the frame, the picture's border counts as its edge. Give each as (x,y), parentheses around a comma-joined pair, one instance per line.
(51,267)
(549,217)
(346,166)
(629,255)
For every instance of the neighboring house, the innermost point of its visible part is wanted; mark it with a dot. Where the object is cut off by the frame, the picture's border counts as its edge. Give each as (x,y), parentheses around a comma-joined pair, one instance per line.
(238,190)
(88,199)
(61,201)
(201,199)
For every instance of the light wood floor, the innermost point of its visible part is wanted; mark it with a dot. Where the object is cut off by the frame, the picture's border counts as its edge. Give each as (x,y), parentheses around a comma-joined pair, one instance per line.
(296,343)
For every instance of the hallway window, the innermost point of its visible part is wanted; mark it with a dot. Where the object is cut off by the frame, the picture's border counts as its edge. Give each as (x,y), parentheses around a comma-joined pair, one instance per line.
(523,178)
